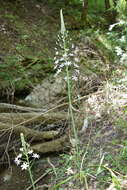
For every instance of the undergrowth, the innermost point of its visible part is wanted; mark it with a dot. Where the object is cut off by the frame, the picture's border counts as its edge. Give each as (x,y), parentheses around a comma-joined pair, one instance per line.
(107,170)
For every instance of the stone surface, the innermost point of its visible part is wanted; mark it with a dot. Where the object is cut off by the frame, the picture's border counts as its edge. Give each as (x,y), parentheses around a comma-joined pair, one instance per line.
(48,93)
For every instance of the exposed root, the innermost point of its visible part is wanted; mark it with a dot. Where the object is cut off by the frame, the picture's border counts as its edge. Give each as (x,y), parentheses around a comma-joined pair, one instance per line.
(52,146)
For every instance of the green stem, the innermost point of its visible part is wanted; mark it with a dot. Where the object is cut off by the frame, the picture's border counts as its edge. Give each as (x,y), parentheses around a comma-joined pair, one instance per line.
(70,109)
(30,173)
(70,102)
(27,159)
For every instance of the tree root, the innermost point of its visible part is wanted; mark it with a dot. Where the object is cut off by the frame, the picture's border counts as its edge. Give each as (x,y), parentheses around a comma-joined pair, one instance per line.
(52,146)
(28,118)
(4,106)
(28,133)
(12,124)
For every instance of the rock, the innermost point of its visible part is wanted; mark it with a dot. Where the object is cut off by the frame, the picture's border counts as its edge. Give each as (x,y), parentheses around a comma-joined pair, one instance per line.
(47,94)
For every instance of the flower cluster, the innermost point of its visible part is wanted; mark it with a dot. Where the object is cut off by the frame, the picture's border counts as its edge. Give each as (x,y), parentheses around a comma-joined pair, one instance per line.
(22,158)
(121,53)
(120,48)
(64,57)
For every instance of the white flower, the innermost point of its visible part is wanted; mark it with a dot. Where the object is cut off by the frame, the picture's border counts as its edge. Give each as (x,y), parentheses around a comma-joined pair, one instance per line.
(36,156)
(62,59)
(77,71)
(30,151)
(66,58)
(17,161)
(74,78)
(124,57)
(62,65)
(71,54)
(57,52)
(55,66)
(68,63)
(76,59)
(121,22)
(21,149)
(70,171)
(65,78)
(64,55)
(58,71)
(19,155)
(57,61)
(118,50)
(24,166)
(72,46)
(122,39)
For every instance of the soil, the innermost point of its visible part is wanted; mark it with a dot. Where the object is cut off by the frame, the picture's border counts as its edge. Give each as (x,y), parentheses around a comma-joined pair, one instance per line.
(27,28)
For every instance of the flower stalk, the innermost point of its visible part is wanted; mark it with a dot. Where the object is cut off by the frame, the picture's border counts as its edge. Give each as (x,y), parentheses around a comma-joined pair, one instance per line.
(23,159)
(27,159)
(65,49)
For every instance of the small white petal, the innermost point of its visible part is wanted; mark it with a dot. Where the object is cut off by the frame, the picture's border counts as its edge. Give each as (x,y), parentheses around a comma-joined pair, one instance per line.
(62,65)
(64,55)
(70,171)
(118,50)
(58,71)
(57,61)
(17,161)
(71,54)
(36,156)
(19,155)
(121,22)
(21,149)
(74,78)
(77,71)
(65,78)
(55,67)
(62,59)
(73,46)
(30,151)
(68,63)
(123,58)
(122,39)
(24,166)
